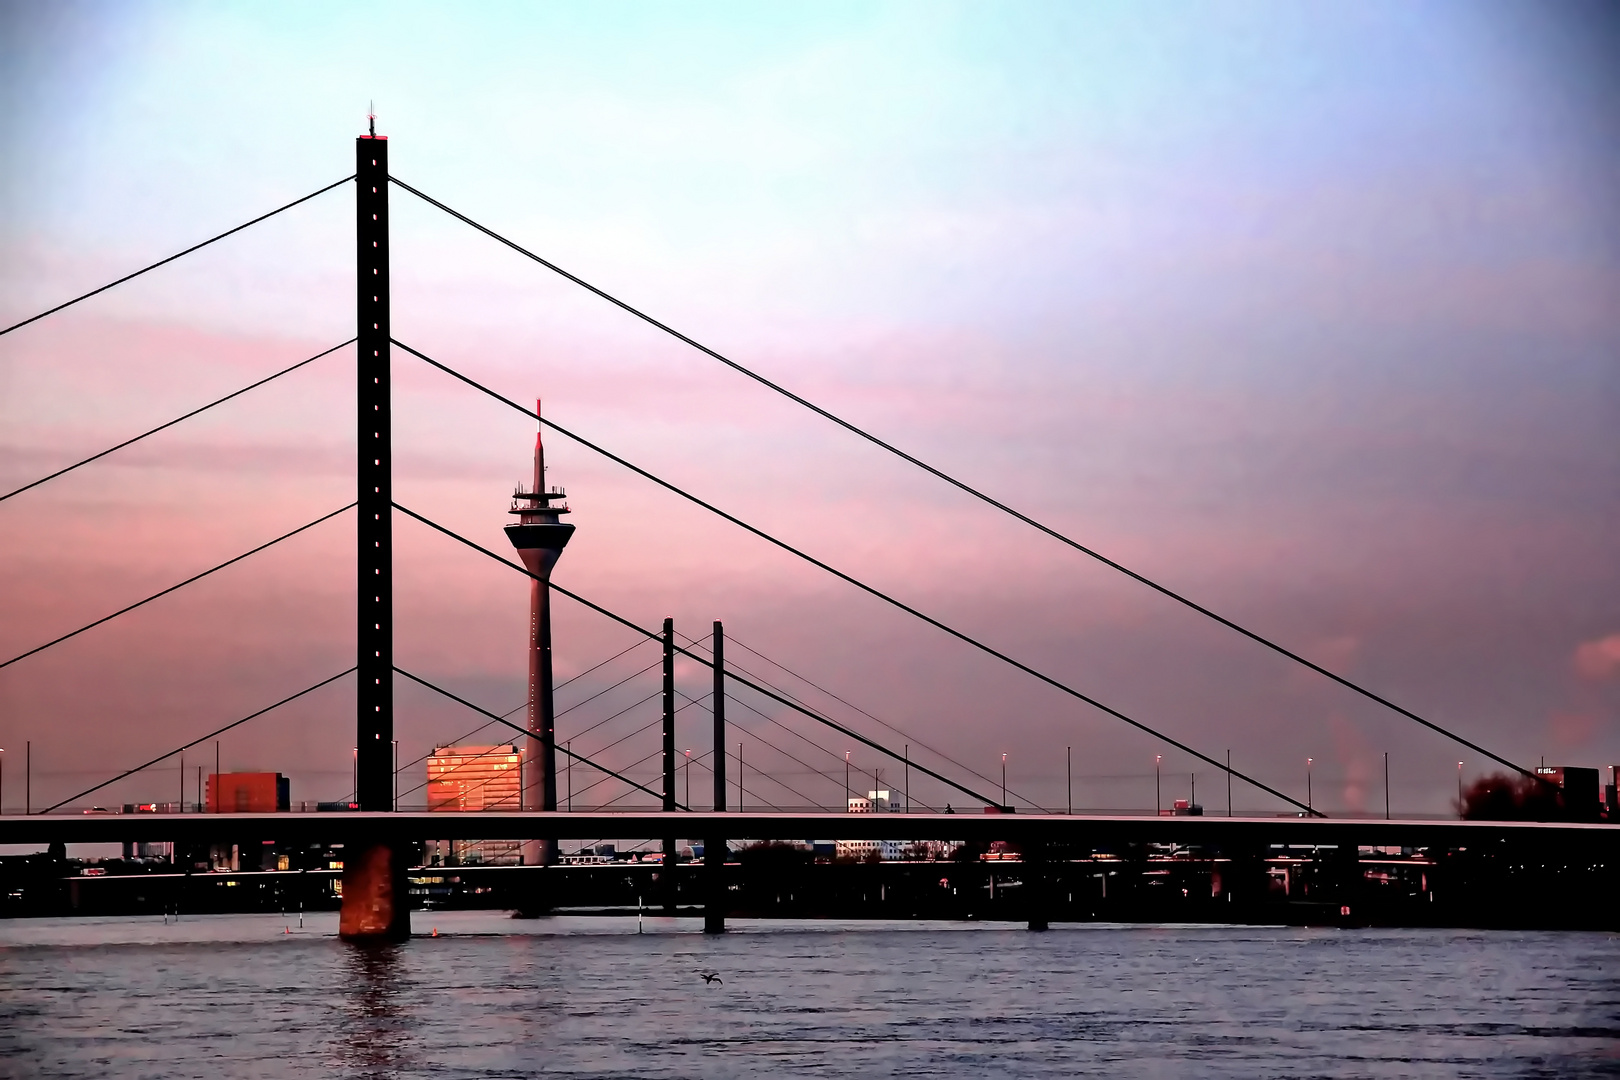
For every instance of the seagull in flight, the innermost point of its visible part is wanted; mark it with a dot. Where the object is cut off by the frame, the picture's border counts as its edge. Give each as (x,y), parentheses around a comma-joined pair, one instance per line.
(712,977)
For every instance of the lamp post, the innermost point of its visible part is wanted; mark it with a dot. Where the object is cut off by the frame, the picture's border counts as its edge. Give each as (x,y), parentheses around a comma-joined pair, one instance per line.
(686,777)
(846,781)
(1459,789)
(1003,780)
(1158,801)
(1309,804)
(2,779)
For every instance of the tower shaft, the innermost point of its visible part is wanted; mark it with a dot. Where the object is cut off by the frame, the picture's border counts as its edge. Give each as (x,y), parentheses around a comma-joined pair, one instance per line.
(540,761)
(374,699)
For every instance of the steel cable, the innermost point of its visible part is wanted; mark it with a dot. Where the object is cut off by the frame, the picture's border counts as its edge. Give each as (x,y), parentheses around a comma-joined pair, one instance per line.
(176,255)
(1163,590)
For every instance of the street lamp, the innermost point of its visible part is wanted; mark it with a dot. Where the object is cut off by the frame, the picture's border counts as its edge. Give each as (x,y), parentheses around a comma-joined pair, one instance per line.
(1158,802)
(2,779)
(1459,790)
(1003,780)
(1309,803)
(846,781)
(686,774)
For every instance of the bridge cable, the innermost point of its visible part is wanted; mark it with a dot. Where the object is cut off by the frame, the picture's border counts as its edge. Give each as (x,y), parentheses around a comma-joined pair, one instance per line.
(176,420)
(976,493)
(172,588)
(176,255)
(509,712)
(609,719)
(970,770)
(732,665)
(492,751)
(812,713)
(525,731)
(194,742)
(812,560)
(776,779)
(797,735)
(829,777)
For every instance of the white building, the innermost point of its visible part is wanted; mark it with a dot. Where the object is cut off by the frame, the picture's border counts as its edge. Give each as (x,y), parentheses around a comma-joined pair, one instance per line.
(863,849)
(874,802)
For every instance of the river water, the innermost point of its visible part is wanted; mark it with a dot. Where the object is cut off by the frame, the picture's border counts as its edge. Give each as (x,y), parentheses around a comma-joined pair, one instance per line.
(260,996)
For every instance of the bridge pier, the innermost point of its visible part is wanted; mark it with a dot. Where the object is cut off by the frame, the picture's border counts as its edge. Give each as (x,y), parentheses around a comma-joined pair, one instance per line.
(1036,885)
(376,892)
(714,885)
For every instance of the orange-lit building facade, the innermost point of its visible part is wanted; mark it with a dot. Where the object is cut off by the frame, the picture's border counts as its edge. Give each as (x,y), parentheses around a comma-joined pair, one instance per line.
(248,793)
(470,778)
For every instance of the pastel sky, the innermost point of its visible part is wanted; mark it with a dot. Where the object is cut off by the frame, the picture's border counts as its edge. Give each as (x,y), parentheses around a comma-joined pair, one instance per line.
(1311,312)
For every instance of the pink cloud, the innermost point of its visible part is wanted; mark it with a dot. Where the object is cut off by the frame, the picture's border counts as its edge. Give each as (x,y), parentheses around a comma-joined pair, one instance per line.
(1572,729)
(1598,660)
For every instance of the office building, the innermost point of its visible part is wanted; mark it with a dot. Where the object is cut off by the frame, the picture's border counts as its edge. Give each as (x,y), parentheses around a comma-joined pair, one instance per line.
(473,778)
(1579,787)
(248,793)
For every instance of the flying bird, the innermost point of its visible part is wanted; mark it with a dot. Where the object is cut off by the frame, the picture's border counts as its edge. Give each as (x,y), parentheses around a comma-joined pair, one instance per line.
(712,977)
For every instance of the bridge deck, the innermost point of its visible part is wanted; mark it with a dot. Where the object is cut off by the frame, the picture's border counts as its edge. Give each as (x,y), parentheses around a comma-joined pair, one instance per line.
(1090,829)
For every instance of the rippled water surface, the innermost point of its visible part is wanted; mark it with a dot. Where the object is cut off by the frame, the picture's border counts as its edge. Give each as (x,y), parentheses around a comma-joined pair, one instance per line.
(240,996)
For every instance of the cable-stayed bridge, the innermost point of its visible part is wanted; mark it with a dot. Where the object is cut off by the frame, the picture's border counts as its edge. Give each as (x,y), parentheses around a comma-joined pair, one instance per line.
(379,836)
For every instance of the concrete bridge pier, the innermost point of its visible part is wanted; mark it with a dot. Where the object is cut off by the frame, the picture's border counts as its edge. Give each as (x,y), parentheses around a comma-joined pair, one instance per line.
(1037,887)
(714,886)
(376,892)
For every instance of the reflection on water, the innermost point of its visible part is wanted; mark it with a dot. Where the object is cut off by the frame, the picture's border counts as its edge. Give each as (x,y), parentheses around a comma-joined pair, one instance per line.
(250,996)
(372,1044)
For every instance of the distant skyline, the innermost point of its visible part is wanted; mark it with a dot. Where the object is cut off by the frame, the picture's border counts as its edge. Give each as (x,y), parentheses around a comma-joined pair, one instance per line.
(1310,313)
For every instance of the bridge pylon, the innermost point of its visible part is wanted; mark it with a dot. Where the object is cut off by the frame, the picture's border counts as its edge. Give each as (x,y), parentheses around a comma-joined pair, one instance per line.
(376,893)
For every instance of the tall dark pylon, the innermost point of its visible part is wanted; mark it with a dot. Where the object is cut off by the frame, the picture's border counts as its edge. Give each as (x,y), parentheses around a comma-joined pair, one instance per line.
(668,873)
(539,537)
(714,845)
(374,699)
(669,714)
(719,711)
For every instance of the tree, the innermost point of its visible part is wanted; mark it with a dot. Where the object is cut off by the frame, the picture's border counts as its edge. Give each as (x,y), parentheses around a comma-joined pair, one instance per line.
(1502,797)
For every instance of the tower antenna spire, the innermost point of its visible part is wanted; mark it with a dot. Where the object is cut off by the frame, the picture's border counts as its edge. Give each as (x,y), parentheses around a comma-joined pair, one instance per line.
(539,451)
(371,116)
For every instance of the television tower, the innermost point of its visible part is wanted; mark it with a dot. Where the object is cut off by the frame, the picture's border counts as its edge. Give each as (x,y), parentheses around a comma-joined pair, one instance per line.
(539,538)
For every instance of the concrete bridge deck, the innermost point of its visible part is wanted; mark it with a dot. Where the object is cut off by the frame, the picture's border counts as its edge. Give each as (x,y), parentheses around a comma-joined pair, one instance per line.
(580,825)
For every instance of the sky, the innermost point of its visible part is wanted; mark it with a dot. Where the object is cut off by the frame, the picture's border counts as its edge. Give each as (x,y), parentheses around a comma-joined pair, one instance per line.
(1310,313)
